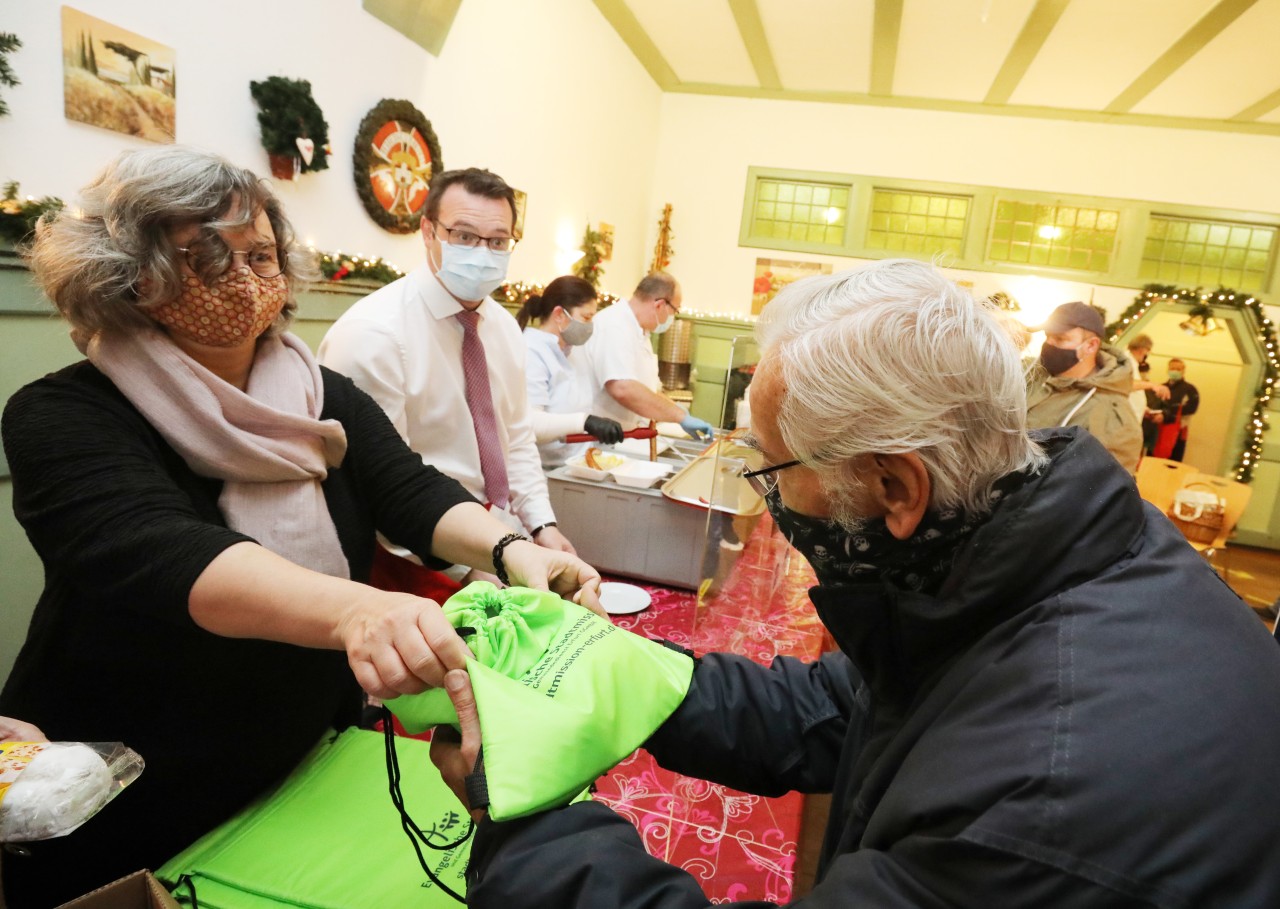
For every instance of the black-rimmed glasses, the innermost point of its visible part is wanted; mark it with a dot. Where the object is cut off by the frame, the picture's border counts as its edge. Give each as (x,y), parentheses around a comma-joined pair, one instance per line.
(460,236)
(765,479)
(675,309)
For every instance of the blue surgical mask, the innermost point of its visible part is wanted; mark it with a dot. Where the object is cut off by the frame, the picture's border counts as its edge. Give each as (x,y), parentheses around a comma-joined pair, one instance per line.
(471,272)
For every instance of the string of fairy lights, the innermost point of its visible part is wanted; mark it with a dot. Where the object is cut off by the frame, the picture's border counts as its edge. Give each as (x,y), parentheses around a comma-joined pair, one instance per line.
(340,266)
(1202,303)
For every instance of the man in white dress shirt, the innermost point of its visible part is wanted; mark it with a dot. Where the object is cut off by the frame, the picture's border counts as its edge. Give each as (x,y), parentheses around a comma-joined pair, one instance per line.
(404,345)
(619,363)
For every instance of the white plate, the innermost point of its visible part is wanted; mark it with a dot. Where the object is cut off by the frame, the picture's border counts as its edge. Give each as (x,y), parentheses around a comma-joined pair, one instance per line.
(623,599)
(640,474)
(639,448)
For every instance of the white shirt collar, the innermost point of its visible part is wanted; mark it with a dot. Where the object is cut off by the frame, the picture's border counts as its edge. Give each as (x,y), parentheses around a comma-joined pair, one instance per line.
(439,302)
(631,317)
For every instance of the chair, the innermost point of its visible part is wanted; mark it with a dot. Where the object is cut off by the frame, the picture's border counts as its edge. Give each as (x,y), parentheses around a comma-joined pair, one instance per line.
(1158,479)
(1236,495)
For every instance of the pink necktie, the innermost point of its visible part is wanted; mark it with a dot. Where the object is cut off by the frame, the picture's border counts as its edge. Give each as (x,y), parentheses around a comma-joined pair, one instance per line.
(475,369)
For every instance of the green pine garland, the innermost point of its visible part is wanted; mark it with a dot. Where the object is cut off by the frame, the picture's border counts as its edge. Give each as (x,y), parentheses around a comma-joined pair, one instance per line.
(18,217)
(340,267)
(9,43)
(514,293)
(1202,304)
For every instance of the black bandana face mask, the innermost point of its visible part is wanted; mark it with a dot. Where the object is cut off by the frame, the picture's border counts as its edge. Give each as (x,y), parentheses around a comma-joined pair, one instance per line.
(921,562)
(837,555)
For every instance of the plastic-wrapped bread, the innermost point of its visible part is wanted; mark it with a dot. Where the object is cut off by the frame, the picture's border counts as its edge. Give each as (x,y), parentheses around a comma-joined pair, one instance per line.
(48,789)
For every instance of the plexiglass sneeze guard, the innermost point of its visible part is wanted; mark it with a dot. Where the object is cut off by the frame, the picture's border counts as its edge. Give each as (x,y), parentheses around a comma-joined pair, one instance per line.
(744,557)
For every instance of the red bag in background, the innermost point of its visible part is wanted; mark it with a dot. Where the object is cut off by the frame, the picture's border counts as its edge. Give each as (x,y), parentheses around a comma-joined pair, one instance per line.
(1167,437)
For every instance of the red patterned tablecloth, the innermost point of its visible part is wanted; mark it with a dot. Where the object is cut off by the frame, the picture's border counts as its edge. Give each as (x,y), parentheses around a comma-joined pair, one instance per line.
(739,846)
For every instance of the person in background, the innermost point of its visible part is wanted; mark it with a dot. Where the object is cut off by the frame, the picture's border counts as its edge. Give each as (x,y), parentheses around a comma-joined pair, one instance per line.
(563,314)
(621,367)
(204,499)
(1175,406)
(1139,349)
(445,362)
(1079,381)
(1042,695)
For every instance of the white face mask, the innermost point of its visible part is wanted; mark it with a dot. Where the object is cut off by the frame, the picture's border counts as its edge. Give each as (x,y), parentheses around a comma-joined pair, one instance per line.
(471,273)
(664,324)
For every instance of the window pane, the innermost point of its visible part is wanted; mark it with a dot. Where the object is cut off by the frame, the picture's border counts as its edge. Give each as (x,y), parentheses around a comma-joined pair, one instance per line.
(915,222)
(798,211)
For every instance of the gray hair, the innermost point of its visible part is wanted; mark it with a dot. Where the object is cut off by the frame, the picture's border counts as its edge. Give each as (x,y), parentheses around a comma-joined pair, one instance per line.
(895,358)
(104,264)
(657,285)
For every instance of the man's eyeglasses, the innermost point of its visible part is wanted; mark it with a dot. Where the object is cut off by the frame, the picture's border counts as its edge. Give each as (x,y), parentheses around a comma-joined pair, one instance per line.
(765,479)
(460,236)
(675,309)
(212,259)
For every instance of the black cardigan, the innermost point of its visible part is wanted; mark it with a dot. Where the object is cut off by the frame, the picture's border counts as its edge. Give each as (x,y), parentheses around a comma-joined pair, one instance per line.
(124,528)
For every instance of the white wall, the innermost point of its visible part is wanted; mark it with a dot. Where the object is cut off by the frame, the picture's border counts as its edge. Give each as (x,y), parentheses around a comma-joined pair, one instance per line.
(544,93)
(707,144)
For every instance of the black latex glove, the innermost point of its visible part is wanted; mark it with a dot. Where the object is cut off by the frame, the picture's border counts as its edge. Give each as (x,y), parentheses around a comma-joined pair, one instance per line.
(607,431)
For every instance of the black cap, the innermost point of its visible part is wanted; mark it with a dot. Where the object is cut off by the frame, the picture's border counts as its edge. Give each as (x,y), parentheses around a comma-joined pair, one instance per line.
(1074,315)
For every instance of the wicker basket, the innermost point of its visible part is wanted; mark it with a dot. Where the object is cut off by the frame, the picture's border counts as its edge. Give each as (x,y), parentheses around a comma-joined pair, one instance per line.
(1200,522)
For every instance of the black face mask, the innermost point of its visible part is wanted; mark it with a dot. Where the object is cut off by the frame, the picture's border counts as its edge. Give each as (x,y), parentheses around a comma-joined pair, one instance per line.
(1057,360)
(872,553)
(1144,367)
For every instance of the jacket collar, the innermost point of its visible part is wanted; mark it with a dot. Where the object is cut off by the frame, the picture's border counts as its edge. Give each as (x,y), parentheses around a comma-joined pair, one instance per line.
(1060,528)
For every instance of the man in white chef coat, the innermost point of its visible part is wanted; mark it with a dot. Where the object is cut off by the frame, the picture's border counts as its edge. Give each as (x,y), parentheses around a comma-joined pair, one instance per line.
(619,363)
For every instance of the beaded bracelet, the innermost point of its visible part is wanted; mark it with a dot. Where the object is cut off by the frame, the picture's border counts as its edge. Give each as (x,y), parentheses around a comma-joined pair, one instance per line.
(498,567)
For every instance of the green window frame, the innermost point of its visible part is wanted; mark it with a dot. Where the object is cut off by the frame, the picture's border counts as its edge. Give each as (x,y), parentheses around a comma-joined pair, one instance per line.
(809,213)
(912,221)
(1121,242)
(1080,238)
(1208,253)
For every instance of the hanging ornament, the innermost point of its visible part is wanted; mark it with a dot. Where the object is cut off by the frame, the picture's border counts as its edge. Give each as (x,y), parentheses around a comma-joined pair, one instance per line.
(306,148)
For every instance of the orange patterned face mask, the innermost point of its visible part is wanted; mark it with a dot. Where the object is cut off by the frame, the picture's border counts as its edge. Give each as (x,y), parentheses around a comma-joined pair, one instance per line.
(238,307)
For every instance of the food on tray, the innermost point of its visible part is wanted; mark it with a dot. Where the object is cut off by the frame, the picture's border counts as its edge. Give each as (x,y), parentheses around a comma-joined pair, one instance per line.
(599,460)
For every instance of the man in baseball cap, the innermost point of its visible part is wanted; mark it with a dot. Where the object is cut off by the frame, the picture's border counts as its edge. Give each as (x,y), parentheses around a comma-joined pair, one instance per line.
(1079,381)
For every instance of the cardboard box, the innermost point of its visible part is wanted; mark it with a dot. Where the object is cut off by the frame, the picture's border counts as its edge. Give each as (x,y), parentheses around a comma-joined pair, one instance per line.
(139,890)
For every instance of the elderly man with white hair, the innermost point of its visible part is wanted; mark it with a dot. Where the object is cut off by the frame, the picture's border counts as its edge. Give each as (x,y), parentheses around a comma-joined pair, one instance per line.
(1043,696)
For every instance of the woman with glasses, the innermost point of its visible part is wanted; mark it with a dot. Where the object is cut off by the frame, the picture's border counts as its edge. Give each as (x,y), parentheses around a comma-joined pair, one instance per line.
(555,322)
(204,498)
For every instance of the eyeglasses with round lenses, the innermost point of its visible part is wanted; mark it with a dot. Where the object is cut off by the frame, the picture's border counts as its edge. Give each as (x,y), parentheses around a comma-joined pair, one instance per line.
(212,259)
(460,236)
(764,480)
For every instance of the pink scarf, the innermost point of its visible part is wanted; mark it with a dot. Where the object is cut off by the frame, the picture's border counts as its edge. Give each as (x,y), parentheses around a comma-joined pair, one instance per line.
(267,444)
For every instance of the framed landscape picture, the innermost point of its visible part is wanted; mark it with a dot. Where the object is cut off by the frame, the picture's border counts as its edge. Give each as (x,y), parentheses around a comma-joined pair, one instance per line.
(115,79)
(774,274)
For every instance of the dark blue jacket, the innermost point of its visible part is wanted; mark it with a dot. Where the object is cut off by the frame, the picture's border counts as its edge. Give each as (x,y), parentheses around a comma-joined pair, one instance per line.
(1084,716)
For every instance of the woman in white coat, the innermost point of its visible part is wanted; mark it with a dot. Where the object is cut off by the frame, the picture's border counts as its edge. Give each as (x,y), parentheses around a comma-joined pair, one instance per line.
(554,322)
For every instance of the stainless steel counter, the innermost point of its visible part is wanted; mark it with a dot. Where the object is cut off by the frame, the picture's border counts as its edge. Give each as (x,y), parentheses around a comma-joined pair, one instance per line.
(638,533)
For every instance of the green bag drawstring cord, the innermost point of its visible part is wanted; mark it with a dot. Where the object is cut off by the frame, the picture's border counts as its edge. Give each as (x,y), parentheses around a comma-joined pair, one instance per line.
(412,830)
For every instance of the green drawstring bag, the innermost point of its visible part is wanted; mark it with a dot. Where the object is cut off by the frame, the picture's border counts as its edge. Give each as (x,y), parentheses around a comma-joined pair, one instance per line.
(327,838)
(563,695)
